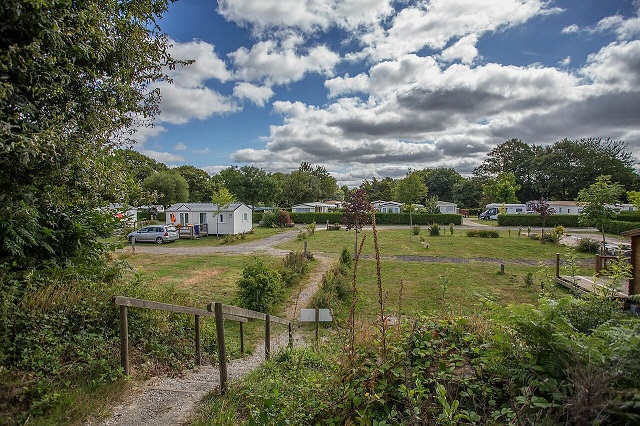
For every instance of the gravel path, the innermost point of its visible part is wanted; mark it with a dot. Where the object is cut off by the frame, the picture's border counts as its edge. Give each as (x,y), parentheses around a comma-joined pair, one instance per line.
(172,400)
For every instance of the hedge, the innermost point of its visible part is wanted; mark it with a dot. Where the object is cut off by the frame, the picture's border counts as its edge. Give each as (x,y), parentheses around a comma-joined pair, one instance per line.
(567,220)
(617,227)
(628,217)
(381,218)
(160,217)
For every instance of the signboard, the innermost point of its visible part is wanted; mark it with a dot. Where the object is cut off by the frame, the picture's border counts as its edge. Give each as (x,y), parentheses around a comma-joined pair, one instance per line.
(309,315)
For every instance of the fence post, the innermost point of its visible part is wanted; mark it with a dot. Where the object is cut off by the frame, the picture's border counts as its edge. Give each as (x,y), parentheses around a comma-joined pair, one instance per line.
(267,336)
(305,249)
(222,351)
(557,265)
(317,324)
(124,340)
(241,338)
(597,264)
(290,336)
(197,326)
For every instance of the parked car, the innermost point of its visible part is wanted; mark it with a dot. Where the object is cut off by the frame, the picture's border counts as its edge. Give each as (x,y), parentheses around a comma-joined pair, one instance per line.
(155,234)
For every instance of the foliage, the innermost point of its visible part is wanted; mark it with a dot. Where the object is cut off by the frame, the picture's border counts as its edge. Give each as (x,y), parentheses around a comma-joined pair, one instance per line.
(483,233)
(501,189)
(294,267)
(415,229)
(200,183)
(441,182)
(283,218)
(260,287)
(170,186)
(250,184)
(269,218)
(597,201)
(379,189)
(310,228)
(411,189)
(334,288)
(634,198)
(345,258)
(434,230)
(617,227)
(221,198)
(356,210)
(544,210)
(588,245)
(628,216)
(566,220)
(451,228)
(381,218)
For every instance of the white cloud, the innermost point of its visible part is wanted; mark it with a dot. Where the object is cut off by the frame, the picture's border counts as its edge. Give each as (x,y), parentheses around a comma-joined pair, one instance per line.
(259,95)
(179,105)
(282,64)
(180,147)
(434,23)
(571,29)
(626,29)
(615,66)
(464,49)
(565,62)
(163,157)
(207,65)
(304,15)
(146,132)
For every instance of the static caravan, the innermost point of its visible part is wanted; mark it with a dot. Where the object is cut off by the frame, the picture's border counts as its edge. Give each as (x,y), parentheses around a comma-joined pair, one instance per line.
(234,219)
(493,210)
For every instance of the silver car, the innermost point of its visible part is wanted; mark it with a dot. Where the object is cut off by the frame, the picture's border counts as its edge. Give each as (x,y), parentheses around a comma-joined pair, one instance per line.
(155,234)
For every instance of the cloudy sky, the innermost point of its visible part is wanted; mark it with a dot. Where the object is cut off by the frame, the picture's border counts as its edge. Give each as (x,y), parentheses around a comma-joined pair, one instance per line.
(375,87)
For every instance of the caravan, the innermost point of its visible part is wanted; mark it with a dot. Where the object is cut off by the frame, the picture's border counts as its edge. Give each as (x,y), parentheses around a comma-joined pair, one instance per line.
(493,210)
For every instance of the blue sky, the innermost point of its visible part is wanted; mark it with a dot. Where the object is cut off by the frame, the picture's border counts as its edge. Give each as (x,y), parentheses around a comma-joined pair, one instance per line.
(376,87)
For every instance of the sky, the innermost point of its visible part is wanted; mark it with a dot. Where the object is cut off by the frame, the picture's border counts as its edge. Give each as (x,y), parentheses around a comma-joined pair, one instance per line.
(374,88)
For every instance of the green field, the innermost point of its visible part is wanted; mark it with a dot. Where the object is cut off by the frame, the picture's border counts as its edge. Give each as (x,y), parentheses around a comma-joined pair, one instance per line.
(396,242)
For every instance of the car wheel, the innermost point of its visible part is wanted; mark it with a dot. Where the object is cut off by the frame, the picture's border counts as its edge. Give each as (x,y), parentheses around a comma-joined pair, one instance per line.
(159,240)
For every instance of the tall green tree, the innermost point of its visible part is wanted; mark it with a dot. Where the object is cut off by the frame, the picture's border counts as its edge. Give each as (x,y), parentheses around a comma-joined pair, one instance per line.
(74,78)
(597,202)
(502,189)
(356,213)
(170,186)
(441,182)
(138,165)
(379,189)
(250,184)
(199,181)
(468,192)
(409,190)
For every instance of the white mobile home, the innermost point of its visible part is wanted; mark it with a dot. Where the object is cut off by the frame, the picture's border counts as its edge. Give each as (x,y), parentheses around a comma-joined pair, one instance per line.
(311,208)
(234,219)
(387,206)
(449,208)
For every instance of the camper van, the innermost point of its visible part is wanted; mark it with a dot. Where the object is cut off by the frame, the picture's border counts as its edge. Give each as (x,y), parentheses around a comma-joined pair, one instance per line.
(493,210)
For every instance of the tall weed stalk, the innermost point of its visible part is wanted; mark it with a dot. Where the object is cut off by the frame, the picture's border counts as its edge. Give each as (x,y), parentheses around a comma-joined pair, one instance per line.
(354,301)
(382,319)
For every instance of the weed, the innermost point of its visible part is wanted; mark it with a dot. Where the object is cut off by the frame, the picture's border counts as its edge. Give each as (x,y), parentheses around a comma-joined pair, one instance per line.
(434,230)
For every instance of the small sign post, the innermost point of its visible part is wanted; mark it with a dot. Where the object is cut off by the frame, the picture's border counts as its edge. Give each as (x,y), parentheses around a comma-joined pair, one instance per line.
(317,316)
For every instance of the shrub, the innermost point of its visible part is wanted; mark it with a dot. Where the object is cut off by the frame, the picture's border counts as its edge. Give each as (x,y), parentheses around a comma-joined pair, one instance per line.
(269,219)
(229,239)
(618,227)
(284,219)
(434,230)
(260,287)
(345,257)
(483,233)
(588,245)
(415,229)
(294,267)
(302,235)
(451,228)
(311,228)
(382,218)
(628,217)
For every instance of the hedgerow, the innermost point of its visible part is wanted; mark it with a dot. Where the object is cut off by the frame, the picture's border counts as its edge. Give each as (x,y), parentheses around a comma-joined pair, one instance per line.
(618,227)
(566,220)
(381,218)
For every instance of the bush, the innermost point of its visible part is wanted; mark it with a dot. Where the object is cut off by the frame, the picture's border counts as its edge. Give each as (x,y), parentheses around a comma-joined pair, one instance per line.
(434,230)
(284,219)
(311,228)
(345,257)
(259,288)
(628,217)
(269,219)
(566,220)
(294,267)
(483,233)
(588,245)
(415,229)
(382,218)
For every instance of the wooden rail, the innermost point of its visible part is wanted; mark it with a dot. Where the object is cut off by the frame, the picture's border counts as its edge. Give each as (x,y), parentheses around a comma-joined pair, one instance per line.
(219,311)
(222,312)
(130,302)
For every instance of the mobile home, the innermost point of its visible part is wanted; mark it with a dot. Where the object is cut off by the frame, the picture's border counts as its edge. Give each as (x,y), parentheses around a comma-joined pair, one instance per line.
(493,210)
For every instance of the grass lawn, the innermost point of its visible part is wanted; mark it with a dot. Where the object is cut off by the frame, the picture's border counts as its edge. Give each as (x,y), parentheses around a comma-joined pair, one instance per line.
(395,242)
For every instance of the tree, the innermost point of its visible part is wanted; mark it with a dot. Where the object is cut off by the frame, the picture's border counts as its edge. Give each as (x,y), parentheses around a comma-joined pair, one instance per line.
(545,211)
(356,213)
(441,182)
(300,187)
(634,198)
(138,165)
(222,198)
(468,192)
(410,190)
(170,187)
(597,202)
(74,80)
(379,189)
(199,181)
(250,184)
(502,189)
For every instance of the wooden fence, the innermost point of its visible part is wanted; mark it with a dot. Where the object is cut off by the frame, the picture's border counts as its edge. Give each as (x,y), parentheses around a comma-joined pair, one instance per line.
(216,310)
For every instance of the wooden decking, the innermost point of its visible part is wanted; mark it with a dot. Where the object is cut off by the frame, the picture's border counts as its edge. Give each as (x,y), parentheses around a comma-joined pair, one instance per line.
(601,285)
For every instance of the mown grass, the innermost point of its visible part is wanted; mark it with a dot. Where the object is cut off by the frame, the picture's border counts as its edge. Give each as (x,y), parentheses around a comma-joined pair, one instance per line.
(207,241)
(396,242)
